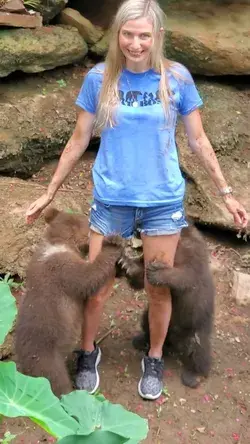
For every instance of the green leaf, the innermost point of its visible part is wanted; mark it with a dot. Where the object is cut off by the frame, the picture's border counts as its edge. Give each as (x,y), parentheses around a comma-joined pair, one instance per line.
(93,413)
(22,395)
(97,437)
(8,310)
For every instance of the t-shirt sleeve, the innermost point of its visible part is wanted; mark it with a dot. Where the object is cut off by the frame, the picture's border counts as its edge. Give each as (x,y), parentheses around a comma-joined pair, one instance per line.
(190,98)
(87,97)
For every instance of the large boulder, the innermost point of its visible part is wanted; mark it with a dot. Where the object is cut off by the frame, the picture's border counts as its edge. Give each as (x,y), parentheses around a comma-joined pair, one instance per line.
(90,33)
(225,118)
(50,8)
(37,116)
(211,38)
(35,50)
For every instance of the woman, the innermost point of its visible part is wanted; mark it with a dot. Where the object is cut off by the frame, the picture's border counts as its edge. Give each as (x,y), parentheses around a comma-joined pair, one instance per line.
(134,99)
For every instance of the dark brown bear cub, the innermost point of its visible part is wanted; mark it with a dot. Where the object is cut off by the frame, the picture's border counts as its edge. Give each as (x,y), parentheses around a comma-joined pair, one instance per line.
(59,281)
(192,291)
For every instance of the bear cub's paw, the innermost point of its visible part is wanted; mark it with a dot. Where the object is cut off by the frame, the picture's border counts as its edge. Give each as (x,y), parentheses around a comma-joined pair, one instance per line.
(155,271)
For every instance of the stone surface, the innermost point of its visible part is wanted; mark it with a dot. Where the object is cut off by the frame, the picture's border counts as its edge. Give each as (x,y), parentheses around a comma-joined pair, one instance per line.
(89,32)
(225,115)
(51,8)
(241,288)
(35,50)
(13,6)
(210,37)
(20,20)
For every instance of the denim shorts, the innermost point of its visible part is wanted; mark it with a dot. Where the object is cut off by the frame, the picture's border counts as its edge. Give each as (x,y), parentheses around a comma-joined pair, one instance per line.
(125,220)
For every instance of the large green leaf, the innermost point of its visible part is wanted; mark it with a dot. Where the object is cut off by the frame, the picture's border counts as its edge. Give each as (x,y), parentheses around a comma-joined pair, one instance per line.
(22,395)
(97,437)
(8,310)
(93,413)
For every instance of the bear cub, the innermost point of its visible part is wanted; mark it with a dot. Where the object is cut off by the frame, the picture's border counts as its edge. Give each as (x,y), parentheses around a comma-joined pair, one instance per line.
(59,282)
(192,290)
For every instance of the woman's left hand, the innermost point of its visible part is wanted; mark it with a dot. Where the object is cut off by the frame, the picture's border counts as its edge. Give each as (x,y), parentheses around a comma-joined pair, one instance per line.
(237,210)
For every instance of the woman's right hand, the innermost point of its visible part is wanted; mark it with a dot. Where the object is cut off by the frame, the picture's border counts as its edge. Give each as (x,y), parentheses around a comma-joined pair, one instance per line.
(36,208)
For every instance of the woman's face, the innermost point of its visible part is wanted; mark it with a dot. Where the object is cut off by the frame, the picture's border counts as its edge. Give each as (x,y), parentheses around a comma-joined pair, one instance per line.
(136,40)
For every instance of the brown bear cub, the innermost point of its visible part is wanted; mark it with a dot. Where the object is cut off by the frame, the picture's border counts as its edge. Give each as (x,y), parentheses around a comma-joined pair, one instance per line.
(59,281)
(193,293)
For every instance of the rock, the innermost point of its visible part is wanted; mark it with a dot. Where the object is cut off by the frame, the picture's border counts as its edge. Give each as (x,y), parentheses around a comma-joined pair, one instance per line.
(216,40)
(89,32)
(51,8)
(20,20)
(225,116)
(100,48)
(17,238)
(241,288)
(99,12)
(35,50)
(16,6)
(35,125)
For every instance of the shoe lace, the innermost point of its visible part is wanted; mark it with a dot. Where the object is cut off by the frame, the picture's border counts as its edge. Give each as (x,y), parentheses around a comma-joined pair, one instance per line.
(85,360)
(154,366)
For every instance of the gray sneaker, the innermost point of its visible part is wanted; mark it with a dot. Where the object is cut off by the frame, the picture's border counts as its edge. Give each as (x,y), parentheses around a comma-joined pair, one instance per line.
(87,376)
(151,383)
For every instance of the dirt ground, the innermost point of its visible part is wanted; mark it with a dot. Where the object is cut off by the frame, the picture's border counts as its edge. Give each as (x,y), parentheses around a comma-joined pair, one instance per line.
(216,412)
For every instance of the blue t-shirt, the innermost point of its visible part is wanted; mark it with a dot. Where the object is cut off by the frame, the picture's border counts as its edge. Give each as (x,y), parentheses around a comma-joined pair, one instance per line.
(137,162)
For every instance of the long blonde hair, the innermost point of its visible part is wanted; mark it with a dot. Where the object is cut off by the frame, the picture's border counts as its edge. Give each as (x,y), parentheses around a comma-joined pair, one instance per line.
(115,60)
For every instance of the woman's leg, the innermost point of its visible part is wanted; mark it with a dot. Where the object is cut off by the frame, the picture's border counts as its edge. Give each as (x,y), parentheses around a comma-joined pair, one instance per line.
(161,248)
(87,377)
(94,307)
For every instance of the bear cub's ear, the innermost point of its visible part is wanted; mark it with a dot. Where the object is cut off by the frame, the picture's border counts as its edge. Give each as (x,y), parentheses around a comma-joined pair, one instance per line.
(50,214)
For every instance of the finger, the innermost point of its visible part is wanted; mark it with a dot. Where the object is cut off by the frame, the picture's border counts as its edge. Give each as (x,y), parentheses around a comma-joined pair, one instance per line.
(31,210)
(32,217)
(237,220)
(244,216)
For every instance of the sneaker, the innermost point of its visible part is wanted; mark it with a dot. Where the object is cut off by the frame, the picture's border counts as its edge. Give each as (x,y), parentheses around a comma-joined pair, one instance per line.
(151,383)
(87,376)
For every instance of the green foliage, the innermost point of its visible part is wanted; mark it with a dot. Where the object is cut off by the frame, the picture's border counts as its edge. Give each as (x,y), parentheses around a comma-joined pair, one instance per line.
(95,438)
(96,413)
(8,437)
(22,395)
(78,413)
(8,310)
(10,281)
(32,4)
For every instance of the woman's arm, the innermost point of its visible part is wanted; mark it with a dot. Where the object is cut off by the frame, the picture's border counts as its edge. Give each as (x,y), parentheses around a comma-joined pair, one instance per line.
(201,146)
(72,152)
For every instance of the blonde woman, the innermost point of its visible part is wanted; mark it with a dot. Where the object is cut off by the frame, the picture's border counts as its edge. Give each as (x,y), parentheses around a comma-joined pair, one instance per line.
(134,99)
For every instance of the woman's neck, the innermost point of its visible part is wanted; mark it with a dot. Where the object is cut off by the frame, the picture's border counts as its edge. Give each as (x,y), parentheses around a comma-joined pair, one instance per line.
(137,67)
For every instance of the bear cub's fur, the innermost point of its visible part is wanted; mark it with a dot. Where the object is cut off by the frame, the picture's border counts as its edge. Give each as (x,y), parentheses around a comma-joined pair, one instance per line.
(59,281)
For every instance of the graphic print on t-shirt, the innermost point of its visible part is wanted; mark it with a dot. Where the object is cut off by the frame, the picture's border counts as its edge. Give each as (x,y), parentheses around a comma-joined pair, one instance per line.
(143,99)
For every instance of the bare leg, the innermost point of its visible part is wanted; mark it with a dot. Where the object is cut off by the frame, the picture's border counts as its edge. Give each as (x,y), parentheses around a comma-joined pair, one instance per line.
(161,248)
(94,307)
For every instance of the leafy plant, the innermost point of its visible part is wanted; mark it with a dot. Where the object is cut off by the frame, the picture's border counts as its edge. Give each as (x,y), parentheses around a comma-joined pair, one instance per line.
(32,4)
(95,438)
(96,413)
(8,310)
(10,281)
(8,437)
